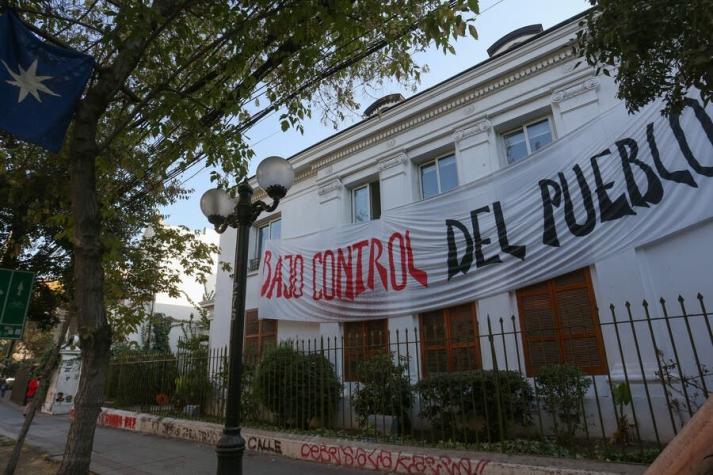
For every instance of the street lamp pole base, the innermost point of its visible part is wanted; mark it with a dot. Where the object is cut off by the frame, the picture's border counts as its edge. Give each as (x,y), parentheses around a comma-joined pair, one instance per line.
(230,450)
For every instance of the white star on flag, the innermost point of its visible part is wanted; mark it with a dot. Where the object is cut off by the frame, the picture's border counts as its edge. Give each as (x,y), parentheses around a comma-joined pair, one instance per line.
(29,82)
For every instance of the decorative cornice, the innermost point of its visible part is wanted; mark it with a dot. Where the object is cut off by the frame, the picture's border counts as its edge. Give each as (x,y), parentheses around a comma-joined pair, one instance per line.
(463,99)
(332,185)
(482,126)
(392,161)
(570,92)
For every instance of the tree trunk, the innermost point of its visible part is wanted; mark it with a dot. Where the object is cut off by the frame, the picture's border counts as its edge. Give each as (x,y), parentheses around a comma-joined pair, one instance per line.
(93,328)
(39,398)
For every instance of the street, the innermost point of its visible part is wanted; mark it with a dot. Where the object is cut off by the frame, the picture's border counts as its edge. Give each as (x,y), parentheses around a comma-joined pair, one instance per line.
(121,452)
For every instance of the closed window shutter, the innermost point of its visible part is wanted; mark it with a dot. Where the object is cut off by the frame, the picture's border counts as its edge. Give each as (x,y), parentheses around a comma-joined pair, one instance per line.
(449,340)
(362,340)
(463,341)
(580,336)
(259,335)
(559,324)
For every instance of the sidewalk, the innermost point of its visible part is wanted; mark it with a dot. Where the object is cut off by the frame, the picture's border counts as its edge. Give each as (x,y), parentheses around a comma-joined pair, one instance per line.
(128,453)
(128,449)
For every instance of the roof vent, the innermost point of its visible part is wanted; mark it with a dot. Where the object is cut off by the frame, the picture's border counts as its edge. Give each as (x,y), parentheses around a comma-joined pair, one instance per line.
(382,104)
(514,38)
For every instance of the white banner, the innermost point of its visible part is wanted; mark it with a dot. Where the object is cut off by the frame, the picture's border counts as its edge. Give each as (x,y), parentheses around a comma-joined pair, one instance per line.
(618,182)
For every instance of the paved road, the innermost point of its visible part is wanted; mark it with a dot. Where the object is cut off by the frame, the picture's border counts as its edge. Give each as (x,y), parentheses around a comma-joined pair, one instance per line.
(121,452)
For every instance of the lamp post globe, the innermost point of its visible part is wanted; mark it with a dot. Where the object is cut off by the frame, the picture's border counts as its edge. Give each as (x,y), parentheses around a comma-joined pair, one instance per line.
(217,205)
(275,175)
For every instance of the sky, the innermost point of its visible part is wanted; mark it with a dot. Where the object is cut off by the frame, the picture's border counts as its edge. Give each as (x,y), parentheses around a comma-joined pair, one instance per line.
(497,18)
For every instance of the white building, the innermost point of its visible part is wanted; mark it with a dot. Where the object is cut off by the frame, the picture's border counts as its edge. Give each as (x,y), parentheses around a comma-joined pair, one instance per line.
(475,125)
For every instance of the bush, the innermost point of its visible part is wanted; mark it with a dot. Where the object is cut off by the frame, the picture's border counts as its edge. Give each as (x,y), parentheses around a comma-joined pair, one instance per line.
(193,388)
(300,390)
(384,388)
(193,384)
(562,389)
(137,377)
(472,404)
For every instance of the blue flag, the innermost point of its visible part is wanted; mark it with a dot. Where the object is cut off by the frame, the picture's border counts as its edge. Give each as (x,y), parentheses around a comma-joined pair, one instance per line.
(40,84)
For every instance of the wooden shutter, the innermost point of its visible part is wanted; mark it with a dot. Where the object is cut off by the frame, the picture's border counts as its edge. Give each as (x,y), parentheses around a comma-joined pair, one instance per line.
(449,340)
(259,335)
(268,334)
(434,343)
(580,334)
(559,324)
(251,350)
(463,347)
(362,340)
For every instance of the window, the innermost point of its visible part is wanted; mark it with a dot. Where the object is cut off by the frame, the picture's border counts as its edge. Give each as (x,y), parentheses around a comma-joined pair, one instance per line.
(560,325)
(438,176)
(362,340)
(366,203)
(259,335)
(265,232)
(449,340)
(527,139)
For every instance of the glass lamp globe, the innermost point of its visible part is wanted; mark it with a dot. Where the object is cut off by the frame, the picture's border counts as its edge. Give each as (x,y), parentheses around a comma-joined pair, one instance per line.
(275,175)
(216,204)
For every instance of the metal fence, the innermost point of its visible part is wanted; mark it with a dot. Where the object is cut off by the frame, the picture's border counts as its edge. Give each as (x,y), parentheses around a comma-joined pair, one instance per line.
(500,385)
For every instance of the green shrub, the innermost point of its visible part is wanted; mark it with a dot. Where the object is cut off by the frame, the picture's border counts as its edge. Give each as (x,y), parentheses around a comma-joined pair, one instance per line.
(136,377)
(300,390)
(471,404)
(384,388)
(193,385)
(193,388)
(562,389)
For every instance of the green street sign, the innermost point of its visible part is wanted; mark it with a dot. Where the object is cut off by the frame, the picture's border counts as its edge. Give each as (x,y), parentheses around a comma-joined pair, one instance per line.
(15,293)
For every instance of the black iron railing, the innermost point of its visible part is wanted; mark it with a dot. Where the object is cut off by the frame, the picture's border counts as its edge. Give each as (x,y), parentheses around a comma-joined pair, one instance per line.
(633,385)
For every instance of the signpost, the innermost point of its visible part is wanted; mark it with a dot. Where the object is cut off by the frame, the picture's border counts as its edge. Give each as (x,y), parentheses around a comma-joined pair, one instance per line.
(15,293)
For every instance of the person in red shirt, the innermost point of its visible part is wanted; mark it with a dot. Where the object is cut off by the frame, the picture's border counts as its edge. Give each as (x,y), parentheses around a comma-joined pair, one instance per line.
(32,388)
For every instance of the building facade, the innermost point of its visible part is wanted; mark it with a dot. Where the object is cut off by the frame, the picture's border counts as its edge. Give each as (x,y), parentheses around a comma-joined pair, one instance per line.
(531,93)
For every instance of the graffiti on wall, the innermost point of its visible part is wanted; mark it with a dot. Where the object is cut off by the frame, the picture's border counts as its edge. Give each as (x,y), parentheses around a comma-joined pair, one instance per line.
(117,421)
(172,428)
(387,461)
(264,444)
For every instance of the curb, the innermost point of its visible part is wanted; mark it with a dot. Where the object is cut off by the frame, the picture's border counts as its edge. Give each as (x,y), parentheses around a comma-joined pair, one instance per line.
(363,455)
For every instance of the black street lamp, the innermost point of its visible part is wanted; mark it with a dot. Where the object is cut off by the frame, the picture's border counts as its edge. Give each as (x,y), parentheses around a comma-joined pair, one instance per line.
(274,175)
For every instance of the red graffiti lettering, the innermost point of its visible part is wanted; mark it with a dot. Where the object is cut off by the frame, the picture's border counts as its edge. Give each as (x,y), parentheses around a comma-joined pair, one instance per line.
(130,423)
(383,460)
